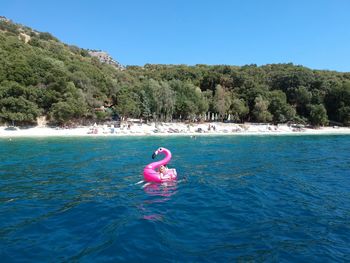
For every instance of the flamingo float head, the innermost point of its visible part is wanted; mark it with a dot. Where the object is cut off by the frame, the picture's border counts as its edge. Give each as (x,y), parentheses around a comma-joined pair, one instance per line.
(158,151)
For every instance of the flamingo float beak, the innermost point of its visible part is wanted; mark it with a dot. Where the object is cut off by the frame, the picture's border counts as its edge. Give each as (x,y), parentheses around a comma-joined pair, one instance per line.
(154,154)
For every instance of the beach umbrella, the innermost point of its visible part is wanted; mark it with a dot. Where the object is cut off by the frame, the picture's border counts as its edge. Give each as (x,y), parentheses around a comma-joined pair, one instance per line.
(229,117)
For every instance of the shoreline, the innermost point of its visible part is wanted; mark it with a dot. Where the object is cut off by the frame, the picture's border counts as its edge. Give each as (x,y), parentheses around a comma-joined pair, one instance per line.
(171,129)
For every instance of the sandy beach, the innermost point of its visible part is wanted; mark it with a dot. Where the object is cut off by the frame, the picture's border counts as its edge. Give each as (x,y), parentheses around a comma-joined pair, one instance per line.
(169,129)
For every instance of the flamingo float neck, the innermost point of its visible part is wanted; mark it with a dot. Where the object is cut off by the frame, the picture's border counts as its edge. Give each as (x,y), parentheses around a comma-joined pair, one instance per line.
(164,161)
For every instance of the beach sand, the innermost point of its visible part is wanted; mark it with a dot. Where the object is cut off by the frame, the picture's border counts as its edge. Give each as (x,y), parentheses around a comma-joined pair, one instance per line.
(169,129)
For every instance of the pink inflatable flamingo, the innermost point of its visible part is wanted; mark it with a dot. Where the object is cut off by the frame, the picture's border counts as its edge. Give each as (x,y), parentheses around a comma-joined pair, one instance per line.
(150,173)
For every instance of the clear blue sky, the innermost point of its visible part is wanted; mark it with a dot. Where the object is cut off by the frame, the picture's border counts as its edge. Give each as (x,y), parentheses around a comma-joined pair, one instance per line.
(313,33)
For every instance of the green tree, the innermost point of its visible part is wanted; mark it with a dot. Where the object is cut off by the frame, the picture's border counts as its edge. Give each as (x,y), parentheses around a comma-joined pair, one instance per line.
(146,111)
(337,102)
(18,110)
(301,98)
(66,111)
(318,115)
(344,115)
(47,36)
(9,27)
(238,109)
(286,77)
(279,108)
(221,101)
(164,100)
(190,101)
(127,104)
(260,111)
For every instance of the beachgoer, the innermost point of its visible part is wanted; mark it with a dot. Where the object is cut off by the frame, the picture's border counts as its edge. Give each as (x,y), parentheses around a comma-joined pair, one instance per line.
(163,172)
(162,169)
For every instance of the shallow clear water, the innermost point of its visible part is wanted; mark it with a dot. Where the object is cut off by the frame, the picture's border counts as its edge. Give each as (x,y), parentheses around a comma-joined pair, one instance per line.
(248,198)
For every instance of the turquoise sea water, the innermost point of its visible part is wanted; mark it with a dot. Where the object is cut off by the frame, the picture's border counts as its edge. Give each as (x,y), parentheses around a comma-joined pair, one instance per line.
(244,198)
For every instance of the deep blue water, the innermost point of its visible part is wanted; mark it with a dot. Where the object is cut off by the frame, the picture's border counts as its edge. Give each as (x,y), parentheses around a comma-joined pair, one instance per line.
(244,198)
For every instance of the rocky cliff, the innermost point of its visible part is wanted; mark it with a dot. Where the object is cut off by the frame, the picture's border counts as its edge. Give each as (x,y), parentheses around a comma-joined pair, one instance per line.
(104,57)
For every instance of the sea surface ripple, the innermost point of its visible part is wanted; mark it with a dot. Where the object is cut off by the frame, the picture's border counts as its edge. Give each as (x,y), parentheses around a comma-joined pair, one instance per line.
(244,198)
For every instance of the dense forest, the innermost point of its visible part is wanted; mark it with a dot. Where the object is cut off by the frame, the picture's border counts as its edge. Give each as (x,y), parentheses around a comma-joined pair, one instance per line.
(41,76)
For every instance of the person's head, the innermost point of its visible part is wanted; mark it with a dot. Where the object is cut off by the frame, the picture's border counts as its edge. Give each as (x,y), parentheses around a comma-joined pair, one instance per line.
(162,168)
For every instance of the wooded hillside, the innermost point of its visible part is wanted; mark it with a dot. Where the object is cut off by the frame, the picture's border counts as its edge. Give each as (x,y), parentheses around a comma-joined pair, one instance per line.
(41,76)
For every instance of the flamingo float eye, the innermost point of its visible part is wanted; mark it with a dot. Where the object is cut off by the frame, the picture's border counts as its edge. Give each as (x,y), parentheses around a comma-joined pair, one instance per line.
(160,149)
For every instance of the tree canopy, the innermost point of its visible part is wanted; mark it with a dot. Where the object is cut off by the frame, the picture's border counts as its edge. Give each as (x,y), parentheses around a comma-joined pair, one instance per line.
(39,75)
